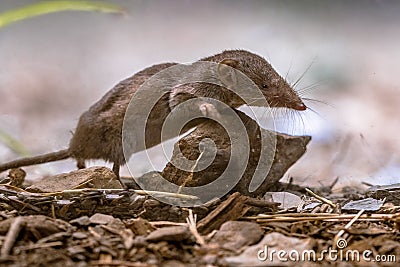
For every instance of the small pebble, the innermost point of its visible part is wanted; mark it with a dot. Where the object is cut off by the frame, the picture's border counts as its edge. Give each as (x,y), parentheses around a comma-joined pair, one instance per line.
(79,235)
(81,221)
(100,218)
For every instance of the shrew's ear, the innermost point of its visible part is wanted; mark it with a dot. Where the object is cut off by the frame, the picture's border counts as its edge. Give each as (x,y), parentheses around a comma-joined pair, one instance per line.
(226,71)
(229,62)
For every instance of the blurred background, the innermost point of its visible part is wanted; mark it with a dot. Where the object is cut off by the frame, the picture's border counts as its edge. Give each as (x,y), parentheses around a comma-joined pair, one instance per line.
(53,67)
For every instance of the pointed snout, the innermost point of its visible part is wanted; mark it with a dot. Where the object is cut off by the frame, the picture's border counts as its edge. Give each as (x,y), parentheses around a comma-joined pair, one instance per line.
(300,106)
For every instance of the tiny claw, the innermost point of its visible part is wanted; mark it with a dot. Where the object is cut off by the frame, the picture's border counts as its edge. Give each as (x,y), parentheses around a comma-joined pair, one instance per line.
(210,111)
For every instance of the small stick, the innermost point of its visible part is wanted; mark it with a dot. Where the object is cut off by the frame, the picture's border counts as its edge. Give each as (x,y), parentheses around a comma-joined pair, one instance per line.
(325,200)
(139,192)
(167,194)
(191,221)
(292,217)
(286,215)
(53,211)
(44,245)
(11,236)
(166,223)
(24,205)
(334,182)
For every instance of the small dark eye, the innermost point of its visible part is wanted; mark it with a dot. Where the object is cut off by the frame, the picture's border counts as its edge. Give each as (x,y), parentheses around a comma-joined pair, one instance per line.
(265,86)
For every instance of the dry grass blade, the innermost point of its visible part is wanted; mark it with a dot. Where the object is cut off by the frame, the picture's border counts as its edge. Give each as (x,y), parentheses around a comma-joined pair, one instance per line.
(47,7)
(13,143)
(166,194)
(139,192)
(36,246)
(159,224)
(327,201)
(191,221)
(295,217)
(11,236)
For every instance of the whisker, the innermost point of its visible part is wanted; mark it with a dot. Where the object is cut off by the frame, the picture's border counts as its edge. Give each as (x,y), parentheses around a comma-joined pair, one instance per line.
(309,87)
(307,91)
(290,67)
(286,118)
(304,73)
(302,121)
(293,120)
(255,100)
(274,116)
(268,56)
(317,101)
(316,113)
(274,111)
(290,121)
(319,82)
(265,114)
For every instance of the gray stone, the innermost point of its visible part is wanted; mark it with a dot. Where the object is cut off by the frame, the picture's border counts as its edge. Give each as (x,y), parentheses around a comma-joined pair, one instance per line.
(99,218)
(81,221)
(79,235)
(233,235)
(173,233)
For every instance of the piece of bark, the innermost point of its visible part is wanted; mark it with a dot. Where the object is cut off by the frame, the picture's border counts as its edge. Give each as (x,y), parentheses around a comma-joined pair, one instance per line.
(139,226)
(96,177)
(231,209)
(37,226)
(278,153)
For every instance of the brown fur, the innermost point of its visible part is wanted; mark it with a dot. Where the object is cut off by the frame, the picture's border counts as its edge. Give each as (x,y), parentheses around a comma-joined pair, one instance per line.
(98,134)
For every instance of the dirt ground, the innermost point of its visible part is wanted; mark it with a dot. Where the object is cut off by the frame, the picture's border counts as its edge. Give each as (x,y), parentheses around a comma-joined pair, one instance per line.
(117,227)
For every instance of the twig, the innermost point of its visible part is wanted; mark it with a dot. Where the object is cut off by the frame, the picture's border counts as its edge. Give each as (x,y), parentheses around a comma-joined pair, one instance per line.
(288,215)
(139,192)
(159,224)
(325,200)
(293,217)
(42,245)
(53,211)
(82,190)
(24,205)
(167,194)
(334,182)
(191,221)
(11,236)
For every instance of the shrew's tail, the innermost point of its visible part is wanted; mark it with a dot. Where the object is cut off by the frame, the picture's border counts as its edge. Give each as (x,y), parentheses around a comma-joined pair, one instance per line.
(53,156)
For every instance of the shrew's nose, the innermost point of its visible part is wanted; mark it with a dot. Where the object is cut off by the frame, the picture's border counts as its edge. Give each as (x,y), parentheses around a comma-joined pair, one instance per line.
(300,106)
